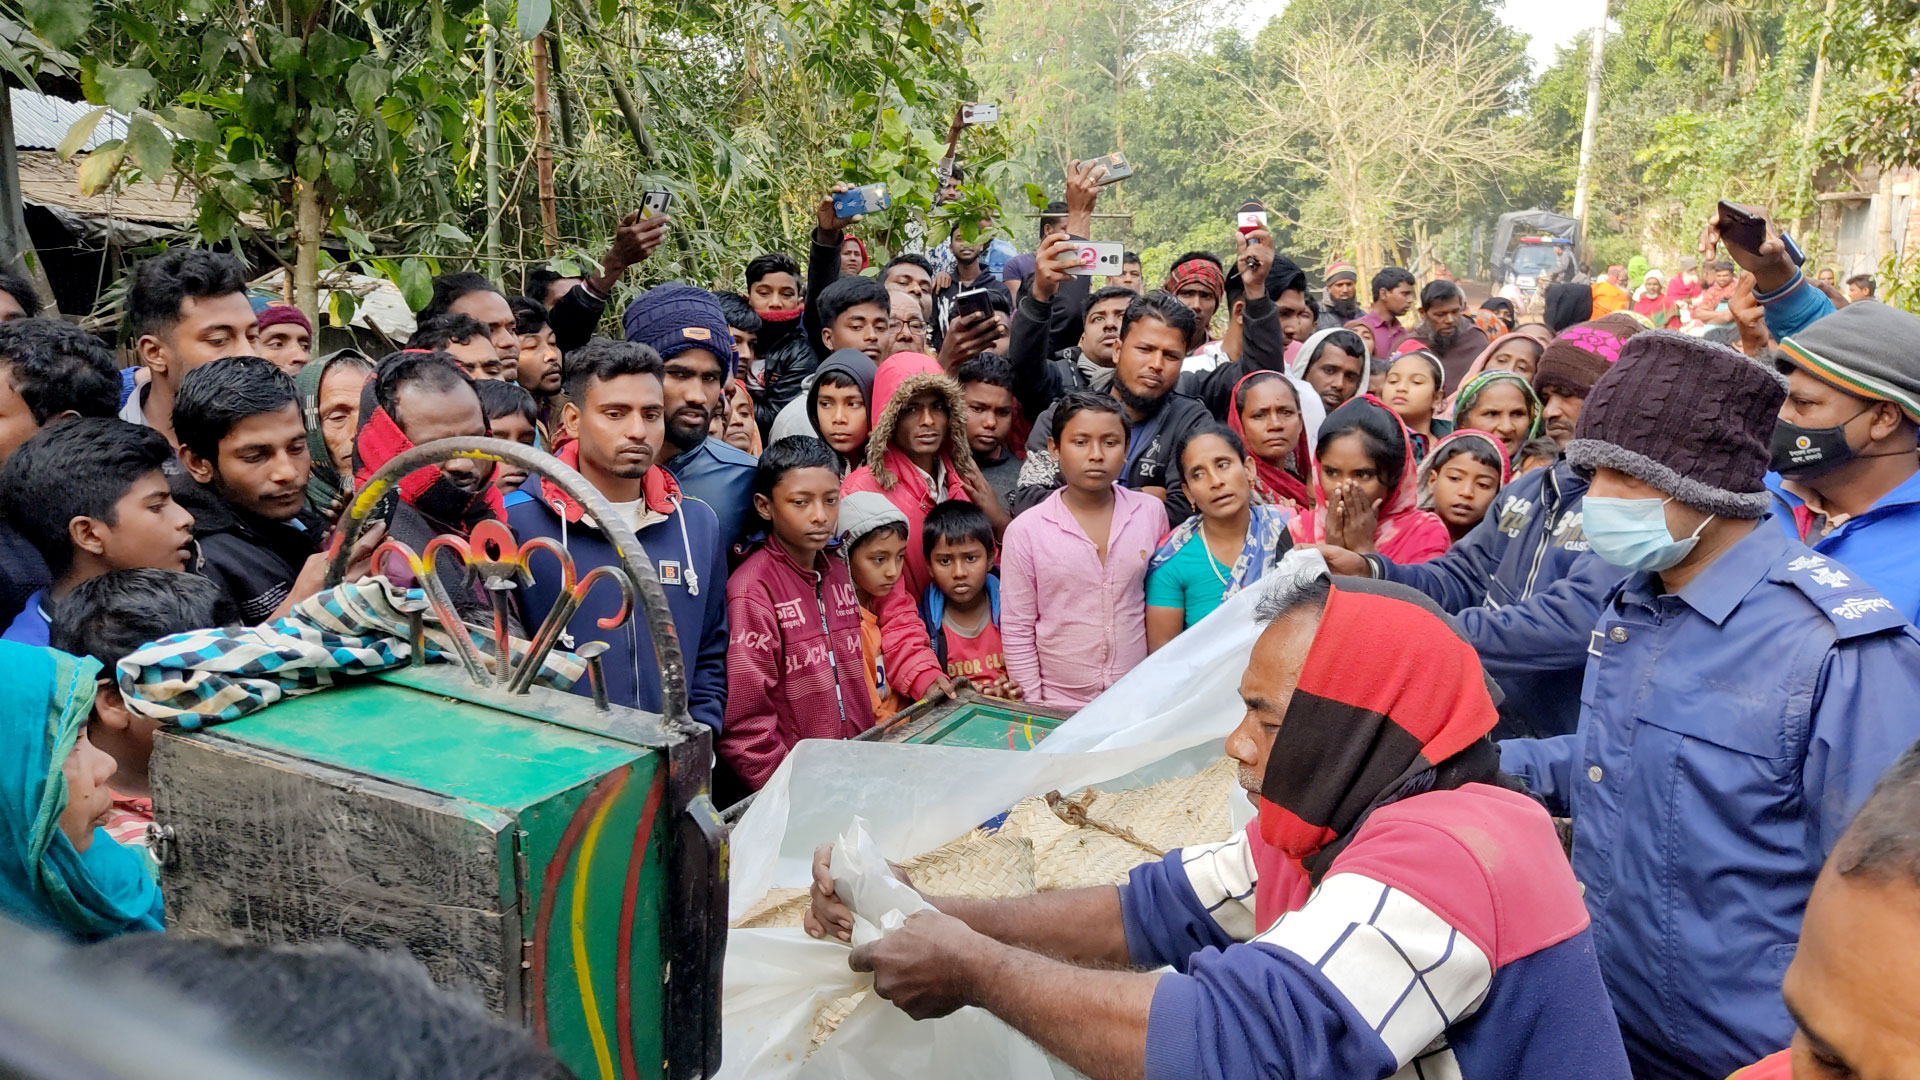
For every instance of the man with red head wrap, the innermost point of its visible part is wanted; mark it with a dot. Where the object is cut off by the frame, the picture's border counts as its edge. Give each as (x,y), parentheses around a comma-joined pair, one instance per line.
(1397,909)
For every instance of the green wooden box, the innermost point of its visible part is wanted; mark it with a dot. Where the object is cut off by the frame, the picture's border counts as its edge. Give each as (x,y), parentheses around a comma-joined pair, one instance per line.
(971,718)
(563,863)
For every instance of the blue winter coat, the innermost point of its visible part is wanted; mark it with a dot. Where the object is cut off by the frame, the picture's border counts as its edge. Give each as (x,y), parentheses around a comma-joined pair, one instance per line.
(1727,734)
(721,476)
(690,562)
(1500,580)
(1879,544)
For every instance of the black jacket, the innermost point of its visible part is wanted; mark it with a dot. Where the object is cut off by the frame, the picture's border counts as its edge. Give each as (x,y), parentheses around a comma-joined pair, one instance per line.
(1155,467)
(22,573)
(252,559)
(796,349)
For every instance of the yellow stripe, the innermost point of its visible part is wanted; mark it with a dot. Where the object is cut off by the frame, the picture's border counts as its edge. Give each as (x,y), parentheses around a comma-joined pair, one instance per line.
(588,1004)
(1029,732)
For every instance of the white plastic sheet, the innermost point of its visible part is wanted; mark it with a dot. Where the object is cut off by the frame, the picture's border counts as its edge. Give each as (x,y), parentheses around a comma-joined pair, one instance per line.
(1166,718)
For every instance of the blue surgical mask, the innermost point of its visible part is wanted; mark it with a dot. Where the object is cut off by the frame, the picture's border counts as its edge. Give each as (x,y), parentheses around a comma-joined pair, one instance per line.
(1632,533)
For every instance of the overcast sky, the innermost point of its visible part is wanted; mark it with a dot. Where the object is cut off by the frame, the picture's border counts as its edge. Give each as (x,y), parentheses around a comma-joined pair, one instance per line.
(1549,23)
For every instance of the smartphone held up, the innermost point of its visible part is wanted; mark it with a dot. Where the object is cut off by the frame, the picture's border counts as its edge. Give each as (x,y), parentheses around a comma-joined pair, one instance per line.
(866,199)
(1088,258)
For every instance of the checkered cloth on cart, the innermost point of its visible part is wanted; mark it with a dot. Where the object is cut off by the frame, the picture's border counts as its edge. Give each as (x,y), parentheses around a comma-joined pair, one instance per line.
(211,676)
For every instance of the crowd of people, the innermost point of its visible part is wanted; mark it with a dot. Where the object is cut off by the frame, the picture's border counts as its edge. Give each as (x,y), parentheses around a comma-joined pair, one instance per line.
(1601,568)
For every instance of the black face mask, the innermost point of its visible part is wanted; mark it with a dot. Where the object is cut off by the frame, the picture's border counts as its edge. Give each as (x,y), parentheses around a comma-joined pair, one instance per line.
(1803,452)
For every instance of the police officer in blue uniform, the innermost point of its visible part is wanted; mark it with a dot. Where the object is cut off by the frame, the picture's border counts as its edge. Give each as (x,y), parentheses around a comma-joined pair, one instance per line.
(1742,694)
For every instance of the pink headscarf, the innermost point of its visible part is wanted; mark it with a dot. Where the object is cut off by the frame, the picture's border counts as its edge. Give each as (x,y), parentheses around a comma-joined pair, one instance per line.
(1533,332)
(1404,532)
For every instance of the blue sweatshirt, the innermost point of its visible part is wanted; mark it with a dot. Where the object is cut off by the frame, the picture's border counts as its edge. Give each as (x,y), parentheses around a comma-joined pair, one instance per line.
(1878,544)
(1447,939)
(683,544)
(1728,733)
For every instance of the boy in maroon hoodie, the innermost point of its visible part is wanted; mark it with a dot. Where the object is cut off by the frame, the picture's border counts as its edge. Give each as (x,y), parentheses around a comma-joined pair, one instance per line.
(794,666)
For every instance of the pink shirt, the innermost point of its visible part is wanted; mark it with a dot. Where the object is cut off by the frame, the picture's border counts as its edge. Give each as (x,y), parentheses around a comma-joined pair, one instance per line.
(1071,624)
(1387,335)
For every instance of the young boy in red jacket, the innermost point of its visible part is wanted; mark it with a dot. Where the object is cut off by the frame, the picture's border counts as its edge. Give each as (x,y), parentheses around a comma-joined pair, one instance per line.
(794,666)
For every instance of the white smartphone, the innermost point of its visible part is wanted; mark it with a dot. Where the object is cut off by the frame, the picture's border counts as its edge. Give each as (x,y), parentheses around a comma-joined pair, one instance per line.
(1099,257)
(979,112)
(654,203)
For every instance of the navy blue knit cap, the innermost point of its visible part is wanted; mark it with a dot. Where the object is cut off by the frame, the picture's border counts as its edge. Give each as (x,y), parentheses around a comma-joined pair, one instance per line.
(675,317)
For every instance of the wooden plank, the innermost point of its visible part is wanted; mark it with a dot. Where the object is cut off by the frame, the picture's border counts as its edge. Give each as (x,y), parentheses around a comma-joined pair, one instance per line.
(275,849)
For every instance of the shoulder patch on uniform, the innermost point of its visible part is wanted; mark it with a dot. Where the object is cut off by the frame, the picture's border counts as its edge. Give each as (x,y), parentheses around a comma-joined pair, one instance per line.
(1854,607)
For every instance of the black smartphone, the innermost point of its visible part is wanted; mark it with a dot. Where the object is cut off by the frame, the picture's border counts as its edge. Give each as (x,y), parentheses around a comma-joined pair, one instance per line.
(1744,227)
(967,303)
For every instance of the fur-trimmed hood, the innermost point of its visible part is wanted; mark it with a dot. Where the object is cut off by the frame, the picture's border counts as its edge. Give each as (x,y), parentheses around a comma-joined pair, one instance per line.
(899,378)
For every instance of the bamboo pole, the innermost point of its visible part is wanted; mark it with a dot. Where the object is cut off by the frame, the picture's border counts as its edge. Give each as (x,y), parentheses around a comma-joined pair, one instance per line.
(543,151)
(490,121)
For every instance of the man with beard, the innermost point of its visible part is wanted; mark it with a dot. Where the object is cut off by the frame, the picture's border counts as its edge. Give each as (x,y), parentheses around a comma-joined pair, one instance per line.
(1446,329)
(416,398)
(1153,344)
(243,441)
(1397,908)
(687,328)
(1342,305)
(614,426)
(1198,281)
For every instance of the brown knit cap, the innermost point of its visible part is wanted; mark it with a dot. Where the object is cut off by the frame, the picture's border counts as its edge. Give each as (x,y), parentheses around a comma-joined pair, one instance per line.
(1574,361)
(1692,418)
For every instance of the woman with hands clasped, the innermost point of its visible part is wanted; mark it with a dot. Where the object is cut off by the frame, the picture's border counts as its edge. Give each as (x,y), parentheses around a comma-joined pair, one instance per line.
(1365,488)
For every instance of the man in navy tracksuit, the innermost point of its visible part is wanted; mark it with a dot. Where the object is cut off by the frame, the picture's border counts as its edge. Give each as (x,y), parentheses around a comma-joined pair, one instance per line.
(1522,584)
(614,424)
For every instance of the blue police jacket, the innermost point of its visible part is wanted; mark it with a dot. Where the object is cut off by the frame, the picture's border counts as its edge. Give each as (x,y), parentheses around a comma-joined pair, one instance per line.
(1879,543)
(1727,734)
(1500,579)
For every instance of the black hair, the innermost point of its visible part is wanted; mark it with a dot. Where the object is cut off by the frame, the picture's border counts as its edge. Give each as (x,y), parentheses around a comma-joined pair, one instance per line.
(22,291)
(1204,256)
(773,262)
(431,371)
(1347,342)
(57,367)
(81,468)
(1882,844)
(604,359)
(990,368)
(111,616)
(1439,292)
(1110,292)
(1160,306)
(848,293)
(163,284)
(895,529)
(435,332)
(1130,258)
(1482,453)
(529,315)
(501,398)
(217,395)
(1502,307)
(1540,446)
(1200,431)
(790,453)
(539,280)
(910,259)
(1864,281)
(738,313)
(449,288)
(1378,429)
(1073,404)
(1056,211)
(1262,378)
(289,998)
(1389,279)
(956,521)
(839,379)
(1724,265)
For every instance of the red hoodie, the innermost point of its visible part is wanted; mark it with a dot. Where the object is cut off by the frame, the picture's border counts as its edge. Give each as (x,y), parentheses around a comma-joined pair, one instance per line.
(794,666)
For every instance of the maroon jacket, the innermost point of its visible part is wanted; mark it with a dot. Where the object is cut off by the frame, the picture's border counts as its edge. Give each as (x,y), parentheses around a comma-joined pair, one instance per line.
(794,666)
